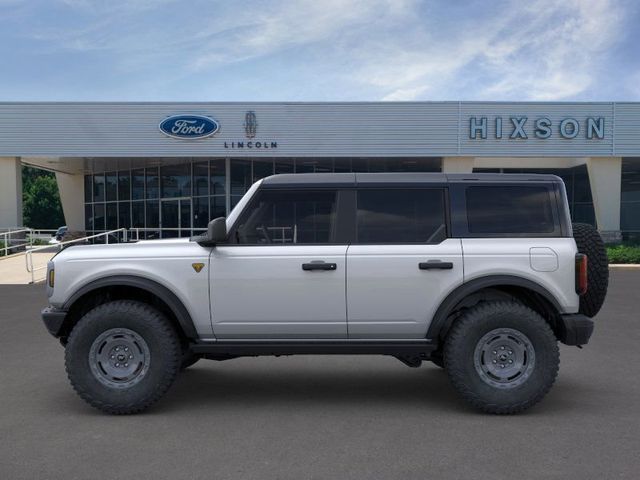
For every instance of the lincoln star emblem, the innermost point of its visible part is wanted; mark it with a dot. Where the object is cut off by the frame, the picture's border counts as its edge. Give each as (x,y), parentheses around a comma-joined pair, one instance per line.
(250,124)
(197,267)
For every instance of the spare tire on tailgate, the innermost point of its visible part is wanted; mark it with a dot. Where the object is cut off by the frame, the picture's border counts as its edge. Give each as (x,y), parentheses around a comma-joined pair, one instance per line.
(590,243)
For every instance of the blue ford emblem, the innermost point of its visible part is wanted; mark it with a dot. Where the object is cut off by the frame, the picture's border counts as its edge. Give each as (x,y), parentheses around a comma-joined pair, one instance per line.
(189,126)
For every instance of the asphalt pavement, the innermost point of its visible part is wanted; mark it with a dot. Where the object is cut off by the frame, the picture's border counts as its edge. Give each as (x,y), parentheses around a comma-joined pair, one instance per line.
(322,417)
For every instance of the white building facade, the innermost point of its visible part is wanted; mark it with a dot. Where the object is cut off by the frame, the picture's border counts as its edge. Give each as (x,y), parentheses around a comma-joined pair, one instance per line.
(168,168)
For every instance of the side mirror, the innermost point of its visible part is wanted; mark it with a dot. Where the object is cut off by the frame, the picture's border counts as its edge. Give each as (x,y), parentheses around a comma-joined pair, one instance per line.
(217,230)
(216,233)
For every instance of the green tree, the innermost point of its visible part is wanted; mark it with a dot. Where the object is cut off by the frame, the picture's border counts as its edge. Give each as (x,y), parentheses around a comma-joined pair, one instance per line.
(41,207)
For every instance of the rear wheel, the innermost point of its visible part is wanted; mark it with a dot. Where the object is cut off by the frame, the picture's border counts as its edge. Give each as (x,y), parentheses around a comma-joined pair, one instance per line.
(502,357)
(122,356)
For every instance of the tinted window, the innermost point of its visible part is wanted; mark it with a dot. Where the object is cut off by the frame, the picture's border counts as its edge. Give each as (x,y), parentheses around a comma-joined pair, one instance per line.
(286,217)
(401,216)
(504,209)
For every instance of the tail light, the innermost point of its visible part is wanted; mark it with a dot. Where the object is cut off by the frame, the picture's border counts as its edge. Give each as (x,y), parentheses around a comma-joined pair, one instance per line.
(581,273)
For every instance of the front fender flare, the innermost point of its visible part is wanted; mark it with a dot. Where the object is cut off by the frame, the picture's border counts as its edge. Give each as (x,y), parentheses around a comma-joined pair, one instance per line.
(167,296)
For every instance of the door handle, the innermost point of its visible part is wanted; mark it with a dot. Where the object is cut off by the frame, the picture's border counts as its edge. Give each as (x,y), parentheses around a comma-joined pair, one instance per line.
(319,265)
(435,265)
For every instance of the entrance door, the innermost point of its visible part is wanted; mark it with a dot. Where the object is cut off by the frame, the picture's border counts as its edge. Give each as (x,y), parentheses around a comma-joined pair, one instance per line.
(175,217)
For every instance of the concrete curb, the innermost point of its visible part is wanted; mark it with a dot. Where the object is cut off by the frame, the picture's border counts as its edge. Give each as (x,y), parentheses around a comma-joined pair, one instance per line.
(624,265)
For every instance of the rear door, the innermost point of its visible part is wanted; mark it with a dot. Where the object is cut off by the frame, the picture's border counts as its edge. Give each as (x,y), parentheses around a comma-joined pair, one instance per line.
(402,262)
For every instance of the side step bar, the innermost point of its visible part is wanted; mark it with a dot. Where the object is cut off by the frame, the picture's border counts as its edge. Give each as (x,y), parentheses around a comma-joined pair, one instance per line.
(222,348)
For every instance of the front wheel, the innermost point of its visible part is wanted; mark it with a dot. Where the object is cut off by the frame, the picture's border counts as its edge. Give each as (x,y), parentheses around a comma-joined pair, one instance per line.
(122,356)
(502,357)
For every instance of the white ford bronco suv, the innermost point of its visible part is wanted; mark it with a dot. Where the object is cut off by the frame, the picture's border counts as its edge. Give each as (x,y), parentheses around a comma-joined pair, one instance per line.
(482,274)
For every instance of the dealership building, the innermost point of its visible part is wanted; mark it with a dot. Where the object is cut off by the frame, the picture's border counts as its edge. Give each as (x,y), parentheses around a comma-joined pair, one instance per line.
(168,168)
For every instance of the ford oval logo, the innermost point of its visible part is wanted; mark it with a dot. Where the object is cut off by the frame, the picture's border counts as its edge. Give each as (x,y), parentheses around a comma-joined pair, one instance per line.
(189,126)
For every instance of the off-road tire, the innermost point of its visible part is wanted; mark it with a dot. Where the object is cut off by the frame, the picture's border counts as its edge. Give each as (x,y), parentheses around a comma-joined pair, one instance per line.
(590,243)
(157,332)
(437,358)
(469,330)
(188,359)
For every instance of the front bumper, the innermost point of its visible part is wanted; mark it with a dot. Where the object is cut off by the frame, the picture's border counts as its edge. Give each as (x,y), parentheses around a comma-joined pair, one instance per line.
(53,319)
(575,329)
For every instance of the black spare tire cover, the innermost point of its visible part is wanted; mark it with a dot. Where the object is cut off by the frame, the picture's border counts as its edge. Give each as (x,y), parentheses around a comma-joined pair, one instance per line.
(590,243)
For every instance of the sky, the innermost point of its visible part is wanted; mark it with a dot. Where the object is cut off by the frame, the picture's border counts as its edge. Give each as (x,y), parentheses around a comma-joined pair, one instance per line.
(319,50)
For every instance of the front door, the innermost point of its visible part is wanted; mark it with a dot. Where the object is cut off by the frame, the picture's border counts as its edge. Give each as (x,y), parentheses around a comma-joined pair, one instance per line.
(283,273)
(175,217)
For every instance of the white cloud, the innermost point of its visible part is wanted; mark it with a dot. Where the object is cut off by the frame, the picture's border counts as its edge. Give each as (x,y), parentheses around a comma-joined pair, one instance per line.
(390,49)
(539,50)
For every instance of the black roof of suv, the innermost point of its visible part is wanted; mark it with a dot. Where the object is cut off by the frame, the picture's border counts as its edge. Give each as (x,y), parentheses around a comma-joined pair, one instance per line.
(353,179)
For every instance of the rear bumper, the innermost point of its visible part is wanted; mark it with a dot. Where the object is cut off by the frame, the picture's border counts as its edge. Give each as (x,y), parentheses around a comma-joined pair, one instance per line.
(575,329)
(54,320)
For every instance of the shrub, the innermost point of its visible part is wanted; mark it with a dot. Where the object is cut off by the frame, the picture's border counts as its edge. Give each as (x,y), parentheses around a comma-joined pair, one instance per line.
(624,254)
(1,248)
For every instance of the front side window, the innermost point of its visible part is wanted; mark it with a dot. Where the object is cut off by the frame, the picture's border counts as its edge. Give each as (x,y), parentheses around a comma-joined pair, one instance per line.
(509,210)
(289,217)
(401,216)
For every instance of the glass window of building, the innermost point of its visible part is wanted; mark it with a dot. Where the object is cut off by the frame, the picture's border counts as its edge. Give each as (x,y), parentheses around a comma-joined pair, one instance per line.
(98,188)
(152,182)
(111,186)
(124,214)
(176,180)
(240,176)
(137,214)
(630,199)
(124,185)
(262,168)
(217,169)
(88,217)
(112,216)
(88,188)
(137,184)
(200,212)
(98,216)
(218,207)
(201,178)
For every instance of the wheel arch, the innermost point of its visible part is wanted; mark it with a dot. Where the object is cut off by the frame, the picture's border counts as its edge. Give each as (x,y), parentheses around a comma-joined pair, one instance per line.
(133,287)
(493,287)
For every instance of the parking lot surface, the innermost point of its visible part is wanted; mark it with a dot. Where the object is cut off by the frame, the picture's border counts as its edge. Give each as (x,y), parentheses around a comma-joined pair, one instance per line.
(322,417)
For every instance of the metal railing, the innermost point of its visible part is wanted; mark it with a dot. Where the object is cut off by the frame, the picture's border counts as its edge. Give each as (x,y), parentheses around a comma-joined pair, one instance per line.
(25,234)
(59,246)
(134,235)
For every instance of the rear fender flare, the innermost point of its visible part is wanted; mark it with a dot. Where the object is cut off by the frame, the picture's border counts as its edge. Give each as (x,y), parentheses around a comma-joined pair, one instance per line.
(439,322)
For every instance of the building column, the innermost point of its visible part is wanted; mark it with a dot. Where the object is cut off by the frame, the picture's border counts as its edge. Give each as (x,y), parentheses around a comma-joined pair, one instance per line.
(10,192)
(457,164)
(71,188)
(605,175)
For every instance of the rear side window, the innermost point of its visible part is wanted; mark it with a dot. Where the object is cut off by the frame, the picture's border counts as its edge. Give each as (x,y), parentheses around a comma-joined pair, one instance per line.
(509,210)
(401,216)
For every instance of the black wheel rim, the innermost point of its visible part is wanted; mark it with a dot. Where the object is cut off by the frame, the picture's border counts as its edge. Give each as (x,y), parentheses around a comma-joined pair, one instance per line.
(119,358)
(504,358)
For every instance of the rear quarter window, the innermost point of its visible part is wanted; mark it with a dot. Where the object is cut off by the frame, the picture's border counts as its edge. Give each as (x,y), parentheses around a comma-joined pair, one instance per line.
(509,210)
